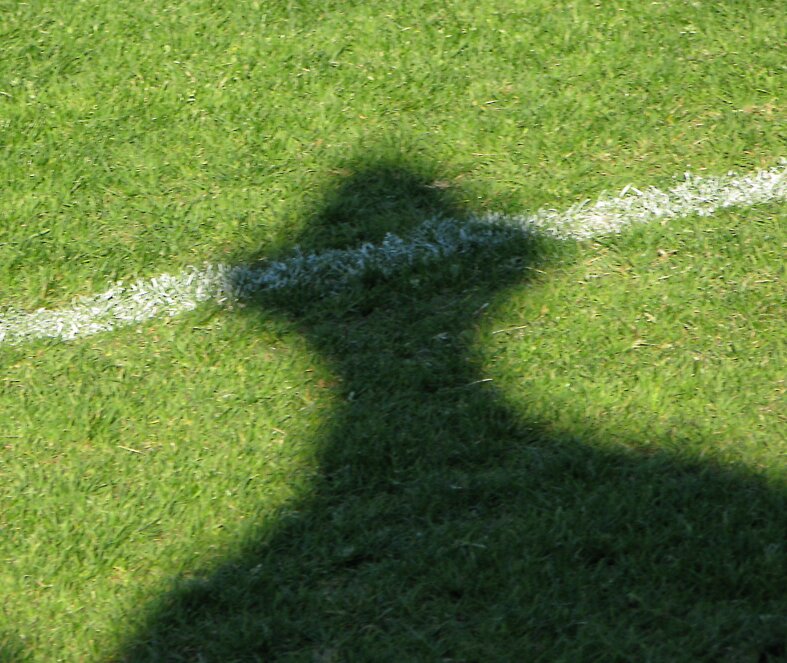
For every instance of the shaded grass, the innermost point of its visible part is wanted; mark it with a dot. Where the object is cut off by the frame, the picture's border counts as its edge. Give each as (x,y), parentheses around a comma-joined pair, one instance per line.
(445,524)
(358,494)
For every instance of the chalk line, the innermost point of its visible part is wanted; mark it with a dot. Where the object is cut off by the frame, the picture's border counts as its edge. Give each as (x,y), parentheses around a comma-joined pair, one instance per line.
(168,295)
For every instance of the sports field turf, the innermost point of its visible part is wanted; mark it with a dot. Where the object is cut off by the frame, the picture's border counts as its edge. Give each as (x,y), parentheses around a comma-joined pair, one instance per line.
(530,450)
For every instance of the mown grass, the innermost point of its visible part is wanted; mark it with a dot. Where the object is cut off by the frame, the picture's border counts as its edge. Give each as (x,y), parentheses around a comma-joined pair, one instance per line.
(138,137)
(547,453)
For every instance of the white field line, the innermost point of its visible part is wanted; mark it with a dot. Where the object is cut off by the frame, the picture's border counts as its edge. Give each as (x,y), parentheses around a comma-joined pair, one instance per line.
(168,295)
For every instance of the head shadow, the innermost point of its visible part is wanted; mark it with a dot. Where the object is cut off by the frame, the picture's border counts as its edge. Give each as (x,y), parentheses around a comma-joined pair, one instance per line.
(443,525)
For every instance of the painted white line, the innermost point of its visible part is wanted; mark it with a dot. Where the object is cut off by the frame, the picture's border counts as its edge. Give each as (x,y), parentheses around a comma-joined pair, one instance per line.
(168,295)
(695,195)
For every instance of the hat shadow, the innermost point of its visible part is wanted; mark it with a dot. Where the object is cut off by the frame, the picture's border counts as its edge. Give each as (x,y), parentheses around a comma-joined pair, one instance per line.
(443,525)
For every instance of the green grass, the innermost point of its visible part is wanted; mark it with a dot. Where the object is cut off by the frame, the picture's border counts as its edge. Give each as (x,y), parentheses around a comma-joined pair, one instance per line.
(546,453)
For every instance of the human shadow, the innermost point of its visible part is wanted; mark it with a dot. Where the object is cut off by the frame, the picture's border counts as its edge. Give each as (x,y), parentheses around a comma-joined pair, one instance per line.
(444,526)
(11,650)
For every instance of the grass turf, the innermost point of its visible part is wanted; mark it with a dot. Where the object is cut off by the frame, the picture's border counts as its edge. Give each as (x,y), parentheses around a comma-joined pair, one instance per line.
(550,453)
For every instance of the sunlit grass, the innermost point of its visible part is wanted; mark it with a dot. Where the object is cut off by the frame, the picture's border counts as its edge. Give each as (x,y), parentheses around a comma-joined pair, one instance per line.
(138,138)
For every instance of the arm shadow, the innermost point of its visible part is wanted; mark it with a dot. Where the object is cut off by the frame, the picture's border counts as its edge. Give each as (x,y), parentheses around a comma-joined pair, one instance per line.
(445,526)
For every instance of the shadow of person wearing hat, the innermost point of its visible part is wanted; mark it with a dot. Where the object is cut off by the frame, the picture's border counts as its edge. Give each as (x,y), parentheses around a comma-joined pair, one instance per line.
(445,526)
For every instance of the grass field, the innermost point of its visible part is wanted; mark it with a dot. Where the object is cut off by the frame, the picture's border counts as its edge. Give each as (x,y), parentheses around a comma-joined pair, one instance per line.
(534,451)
